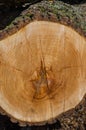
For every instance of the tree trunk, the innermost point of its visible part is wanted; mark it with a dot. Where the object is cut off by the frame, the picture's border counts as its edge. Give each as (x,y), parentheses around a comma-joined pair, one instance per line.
(42,63)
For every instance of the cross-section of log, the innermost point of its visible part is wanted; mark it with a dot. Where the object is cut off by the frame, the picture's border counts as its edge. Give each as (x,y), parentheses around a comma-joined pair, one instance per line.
(42,69)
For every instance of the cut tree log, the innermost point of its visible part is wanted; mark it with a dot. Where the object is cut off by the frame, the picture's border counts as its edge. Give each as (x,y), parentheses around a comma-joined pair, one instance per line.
(42,63)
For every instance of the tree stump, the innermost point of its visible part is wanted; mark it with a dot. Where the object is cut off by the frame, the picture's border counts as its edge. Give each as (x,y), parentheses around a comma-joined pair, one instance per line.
(42,63)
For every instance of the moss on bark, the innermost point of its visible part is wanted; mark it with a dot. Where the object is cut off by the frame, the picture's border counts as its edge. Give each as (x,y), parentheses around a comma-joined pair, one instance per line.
(74,16)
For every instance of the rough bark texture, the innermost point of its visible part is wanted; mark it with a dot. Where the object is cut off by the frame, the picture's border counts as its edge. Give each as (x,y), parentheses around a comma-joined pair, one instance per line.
(74,16)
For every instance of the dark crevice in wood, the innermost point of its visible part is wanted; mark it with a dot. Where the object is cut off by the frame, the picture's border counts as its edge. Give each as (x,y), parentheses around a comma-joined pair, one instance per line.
(74,1)
(9,13)
(6,124)
(7,16)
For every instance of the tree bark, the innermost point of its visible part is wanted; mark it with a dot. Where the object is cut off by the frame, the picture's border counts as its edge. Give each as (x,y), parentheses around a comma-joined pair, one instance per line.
(73,16)
(42,63)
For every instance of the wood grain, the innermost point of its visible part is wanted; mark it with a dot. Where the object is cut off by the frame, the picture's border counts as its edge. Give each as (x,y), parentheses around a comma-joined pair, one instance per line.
(42,72)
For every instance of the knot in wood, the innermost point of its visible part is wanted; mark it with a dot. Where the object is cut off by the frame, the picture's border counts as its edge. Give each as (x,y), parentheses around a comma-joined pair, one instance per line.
(43,81)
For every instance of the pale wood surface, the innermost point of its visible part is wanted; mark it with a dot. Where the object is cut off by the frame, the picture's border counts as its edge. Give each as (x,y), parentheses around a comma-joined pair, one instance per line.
(42,71)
